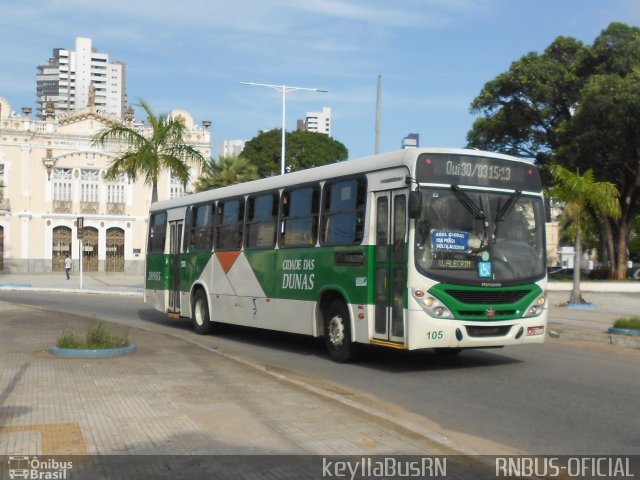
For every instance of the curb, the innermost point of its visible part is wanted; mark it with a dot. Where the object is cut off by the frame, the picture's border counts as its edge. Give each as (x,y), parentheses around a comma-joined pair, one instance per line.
(582,305)
(625,331)
(628,341)
(86,353)
(6,287)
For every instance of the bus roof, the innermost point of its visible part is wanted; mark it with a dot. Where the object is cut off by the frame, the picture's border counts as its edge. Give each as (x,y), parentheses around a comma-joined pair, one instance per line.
(349,167)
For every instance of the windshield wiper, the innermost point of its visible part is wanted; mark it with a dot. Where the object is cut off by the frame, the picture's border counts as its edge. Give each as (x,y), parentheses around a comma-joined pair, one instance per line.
(502,212)
(475,210)
(469,204)
(507,207)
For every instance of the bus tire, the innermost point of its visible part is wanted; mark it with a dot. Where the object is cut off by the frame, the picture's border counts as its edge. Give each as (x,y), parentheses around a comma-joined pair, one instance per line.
(202,323)
(337,333)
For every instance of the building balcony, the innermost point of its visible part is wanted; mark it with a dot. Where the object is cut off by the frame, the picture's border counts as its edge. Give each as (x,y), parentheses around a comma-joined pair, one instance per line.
(115,208)
(89,207)
(62,206)
(4,205)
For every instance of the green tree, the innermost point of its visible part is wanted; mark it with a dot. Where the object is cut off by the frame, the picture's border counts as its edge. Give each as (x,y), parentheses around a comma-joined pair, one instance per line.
(578,106)
(149,152)
(579,193)
(521,109)
(303,150)
(604,135)
(226,171)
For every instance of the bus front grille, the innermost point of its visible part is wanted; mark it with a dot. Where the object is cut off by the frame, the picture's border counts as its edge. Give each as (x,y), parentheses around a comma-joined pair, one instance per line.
(483,313)
(487,297)
(475,331)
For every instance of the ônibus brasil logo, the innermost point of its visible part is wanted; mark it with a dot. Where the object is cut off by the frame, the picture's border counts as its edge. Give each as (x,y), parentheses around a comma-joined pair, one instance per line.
(36,469)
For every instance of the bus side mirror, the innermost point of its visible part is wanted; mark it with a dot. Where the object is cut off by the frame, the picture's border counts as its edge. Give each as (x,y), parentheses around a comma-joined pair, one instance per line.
(415,203)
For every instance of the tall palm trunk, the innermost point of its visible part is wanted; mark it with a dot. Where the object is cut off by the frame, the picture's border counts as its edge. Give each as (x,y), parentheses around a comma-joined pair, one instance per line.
(154,192)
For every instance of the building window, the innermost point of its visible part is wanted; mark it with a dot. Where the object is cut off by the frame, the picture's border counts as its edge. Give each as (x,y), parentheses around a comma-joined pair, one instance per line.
(89,185)
(117,195)
(4,202)
(117,190)
(62,181)
(176,188)
(89,190)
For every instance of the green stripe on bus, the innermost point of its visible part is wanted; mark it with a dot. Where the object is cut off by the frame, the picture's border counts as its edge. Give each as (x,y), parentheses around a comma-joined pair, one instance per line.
(304,273)
(158,269)
(193,264)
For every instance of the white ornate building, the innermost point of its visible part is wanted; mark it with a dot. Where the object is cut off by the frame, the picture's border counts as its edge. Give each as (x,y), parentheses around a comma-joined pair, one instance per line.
(51,175)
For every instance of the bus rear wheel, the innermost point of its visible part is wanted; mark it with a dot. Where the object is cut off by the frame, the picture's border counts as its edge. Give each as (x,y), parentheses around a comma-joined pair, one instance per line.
(337,333)
(202,323)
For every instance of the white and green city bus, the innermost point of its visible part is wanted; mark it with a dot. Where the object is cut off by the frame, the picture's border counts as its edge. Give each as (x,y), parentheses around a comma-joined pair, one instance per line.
(414,249)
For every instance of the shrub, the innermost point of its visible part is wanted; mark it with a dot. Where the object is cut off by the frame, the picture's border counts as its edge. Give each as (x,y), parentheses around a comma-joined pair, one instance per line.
(98,337)
(630,323)
(68,339)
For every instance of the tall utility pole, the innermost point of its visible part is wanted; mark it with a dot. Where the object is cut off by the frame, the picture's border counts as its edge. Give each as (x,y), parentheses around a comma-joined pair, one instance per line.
(378,113)
(284,89)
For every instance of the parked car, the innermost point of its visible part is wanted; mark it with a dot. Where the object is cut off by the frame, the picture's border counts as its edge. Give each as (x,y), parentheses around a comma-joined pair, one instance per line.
(563,273)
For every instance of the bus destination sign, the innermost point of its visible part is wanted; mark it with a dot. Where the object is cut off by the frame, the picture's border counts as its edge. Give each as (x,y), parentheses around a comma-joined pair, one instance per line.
(477,171)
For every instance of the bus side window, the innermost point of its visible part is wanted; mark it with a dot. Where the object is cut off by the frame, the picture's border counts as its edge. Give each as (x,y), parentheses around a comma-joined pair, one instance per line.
(157,232)
(201,229)
(229,224)
(299,223)
(262,217)
(343,212)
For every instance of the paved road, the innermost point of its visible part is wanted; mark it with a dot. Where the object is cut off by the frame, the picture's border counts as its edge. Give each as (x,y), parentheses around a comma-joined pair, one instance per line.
(470,399)
(176,410)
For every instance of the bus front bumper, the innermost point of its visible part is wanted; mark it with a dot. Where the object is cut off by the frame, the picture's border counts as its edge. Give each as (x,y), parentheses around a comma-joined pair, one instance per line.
(427,332)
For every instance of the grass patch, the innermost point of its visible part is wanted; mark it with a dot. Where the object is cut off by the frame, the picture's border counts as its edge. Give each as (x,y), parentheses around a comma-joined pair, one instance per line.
(98,337)
(629,323)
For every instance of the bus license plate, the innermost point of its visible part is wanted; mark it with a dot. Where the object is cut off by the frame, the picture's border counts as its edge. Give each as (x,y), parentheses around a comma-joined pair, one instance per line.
(535,331)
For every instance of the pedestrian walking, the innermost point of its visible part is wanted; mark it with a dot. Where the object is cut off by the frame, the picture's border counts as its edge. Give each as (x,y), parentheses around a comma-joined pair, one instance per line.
(68,263)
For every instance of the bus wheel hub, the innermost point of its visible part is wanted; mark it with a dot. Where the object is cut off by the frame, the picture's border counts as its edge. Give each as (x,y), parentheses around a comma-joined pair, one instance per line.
(336,331)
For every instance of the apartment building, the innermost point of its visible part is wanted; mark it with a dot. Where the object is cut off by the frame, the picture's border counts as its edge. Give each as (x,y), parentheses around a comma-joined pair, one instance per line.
(319,122)
(73,79)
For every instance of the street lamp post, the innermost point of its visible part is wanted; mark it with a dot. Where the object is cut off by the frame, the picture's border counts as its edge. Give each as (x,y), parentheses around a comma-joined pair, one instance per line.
(284,89)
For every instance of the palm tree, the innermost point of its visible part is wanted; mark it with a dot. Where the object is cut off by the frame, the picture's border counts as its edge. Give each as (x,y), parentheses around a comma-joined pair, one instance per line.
(227,171)
(148,155)
(579,194)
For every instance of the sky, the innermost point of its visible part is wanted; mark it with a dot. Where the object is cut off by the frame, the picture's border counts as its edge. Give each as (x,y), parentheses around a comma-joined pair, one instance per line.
(433,57)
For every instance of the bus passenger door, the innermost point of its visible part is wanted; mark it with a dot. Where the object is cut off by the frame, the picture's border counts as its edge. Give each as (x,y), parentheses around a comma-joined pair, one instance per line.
(175,240)
(391,258)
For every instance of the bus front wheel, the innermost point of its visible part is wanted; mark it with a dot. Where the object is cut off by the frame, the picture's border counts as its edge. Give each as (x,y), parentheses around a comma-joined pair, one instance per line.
(337,333)
(200,313)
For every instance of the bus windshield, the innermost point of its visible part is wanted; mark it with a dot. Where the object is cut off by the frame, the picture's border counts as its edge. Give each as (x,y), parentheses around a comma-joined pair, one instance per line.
(478,237)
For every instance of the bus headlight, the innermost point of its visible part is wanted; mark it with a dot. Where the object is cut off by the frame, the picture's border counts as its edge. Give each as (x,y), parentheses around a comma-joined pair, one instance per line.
(434,307)
(536,307)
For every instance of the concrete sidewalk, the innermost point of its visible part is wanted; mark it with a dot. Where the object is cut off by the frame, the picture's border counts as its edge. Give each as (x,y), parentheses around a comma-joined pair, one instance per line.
(172,399)
(113,283)
(169,398)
